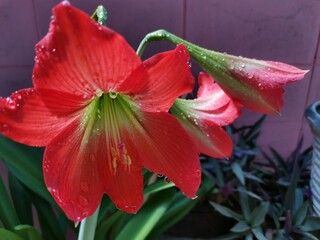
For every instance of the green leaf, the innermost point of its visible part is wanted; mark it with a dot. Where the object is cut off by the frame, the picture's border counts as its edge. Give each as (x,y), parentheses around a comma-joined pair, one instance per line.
(218,172)
(8,215)
(300,214)
(258,233)
(106,225)
(27,232)
(240,227)
(180,207)
(157,186)
(48,219)
(7,235)
(311,223)
(258,215)
(227,212)
(237,170)
(253,130)
(25,163)
(244,203)
(20,200)
(141,225)
(249,193)
(290,198)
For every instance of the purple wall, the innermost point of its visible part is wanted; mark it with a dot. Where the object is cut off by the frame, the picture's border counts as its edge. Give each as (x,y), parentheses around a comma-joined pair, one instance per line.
(285,31)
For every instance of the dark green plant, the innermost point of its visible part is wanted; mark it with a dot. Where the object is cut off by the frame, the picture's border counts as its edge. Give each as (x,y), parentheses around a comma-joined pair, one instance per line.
(268,196)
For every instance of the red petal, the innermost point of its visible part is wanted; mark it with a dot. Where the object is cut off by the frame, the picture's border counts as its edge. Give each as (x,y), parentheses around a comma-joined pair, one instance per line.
(34,118)
(78,170)
(169,78)
(265,74)
(81,56)
(165,148)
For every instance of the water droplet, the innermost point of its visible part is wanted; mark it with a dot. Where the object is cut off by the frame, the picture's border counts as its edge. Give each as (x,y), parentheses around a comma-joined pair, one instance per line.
(4,128)
(243,65)
(160,176)
(10,104)
(83,201)
(113,95)
(84,186)
(167,180)
(53,50)
(198,172)
(65,3)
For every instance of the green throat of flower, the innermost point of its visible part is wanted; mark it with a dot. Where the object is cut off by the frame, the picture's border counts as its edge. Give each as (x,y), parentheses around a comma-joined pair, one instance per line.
(109,117)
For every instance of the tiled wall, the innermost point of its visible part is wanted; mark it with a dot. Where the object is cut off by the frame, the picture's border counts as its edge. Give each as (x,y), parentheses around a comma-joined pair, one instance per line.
(287,31)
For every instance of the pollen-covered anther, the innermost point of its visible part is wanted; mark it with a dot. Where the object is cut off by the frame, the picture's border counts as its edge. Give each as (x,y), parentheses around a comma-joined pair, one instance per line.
(123,154)
(114,154)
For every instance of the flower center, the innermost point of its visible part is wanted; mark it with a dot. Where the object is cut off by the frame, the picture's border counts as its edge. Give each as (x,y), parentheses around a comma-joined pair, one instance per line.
(109,118)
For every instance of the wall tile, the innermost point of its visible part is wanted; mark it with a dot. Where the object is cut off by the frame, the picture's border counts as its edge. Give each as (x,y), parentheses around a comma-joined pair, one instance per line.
(280,30)
(18,32)
(14,78)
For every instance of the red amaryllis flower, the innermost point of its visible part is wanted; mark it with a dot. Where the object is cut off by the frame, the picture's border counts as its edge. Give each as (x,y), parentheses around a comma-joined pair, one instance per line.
(255,84)
(203,117)
(102,115)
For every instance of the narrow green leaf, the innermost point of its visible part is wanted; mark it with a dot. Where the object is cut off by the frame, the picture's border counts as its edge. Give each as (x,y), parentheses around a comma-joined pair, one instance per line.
(50,226)
(290,200)
(258,214)
(227,212)
(311,223)
(249,193)
(218,172)
(244,203)
(237,170)
(20,200)
(240,227)
(27,232)
(25,163)
(7,235)
(140,225)
(249,237)
(8,215)
(180,207)
(106,225)
(300,214)
(254,130)
(157,186)
(258,233)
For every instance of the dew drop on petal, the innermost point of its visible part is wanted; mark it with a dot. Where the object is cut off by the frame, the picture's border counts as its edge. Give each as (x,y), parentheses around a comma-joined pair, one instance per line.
(4,128)
(10,104)
(84,186)
(65,3)
(83,201)
(160,176)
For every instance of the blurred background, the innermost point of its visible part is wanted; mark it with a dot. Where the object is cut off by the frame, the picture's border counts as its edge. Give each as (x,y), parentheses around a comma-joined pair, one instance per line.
(286,31)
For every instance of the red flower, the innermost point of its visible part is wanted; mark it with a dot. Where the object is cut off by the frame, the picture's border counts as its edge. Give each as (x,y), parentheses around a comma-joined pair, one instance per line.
(102,115)
(203,117)
(255,84)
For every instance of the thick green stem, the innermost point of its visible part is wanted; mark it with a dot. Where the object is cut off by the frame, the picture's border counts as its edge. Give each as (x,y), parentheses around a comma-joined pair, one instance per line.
(88,227)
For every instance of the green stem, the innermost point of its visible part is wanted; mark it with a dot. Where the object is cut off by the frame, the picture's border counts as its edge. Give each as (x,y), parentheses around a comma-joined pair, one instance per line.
(88,226)
(162,34)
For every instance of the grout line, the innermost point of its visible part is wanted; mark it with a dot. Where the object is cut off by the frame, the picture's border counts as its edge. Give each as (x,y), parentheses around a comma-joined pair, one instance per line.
(36,19)
(15,66)
(184,18)
(315,58)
